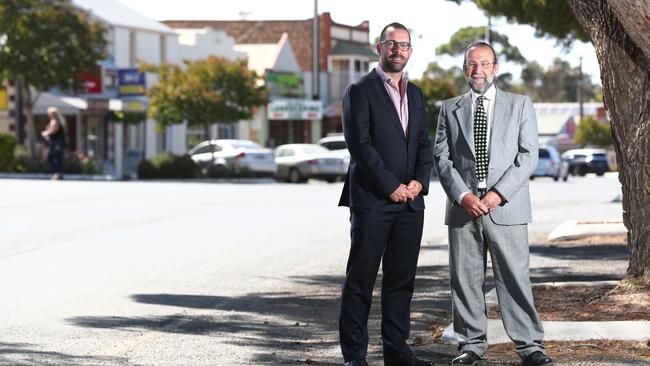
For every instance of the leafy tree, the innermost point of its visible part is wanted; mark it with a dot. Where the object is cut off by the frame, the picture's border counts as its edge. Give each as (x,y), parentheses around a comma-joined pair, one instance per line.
(46,44)
(558,83)
(437,85)
(618,32)
(464,36)
(204,92)
(592,132)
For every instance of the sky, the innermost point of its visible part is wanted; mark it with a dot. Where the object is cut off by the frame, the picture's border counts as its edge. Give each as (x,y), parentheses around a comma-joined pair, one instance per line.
(432,22)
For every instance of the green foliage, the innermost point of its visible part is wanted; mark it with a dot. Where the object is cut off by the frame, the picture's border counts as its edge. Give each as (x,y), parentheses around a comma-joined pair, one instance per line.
(205,92)
(438,84)
(468,35)
(558,83)
(48,43)
(595,133)
(167,166)
(7,147)
(550,18)
(127,117)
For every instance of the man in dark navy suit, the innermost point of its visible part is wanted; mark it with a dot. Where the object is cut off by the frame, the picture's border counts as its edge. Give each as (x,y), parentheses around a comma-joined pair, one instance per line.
(385,128)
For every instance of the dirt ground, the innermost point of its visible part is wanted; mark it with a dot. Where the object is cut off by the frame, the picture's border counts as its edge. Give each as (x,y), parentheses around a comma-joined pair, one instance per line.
(583,303)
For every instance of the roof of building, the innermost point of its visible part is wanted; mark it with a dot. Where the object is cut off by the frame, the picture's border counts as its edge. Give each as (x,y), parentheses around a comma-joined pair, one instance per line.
(345,48)
(118,14)
(270,31)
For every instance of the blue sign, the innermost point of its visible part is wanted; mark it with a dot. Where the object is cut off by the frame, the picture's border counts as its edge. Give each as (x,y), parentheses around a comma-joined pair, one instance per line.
(130,82)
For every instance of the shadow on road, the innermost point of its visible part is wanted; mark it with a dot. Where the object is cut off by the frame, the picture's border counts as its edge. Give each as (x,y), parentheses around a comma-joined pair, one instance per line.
(24,354)
(296,327)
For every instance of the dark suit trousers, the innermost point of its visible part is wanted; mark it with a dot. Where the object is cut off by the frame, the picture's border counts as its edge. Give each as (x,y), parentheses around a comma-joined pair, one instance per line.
(395,236)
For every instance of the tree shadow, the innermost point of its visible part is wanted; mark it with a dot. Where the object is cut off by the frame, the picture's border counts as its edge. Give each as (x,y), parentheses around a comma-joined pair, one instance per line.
(601,252)
(25,354)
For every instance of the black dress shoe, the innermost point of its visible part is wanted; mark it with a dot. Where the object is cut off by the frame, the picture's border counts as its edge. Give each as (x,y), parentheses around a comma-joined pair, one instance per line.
(468,358)
(537,358)
(406,360)
(357,363)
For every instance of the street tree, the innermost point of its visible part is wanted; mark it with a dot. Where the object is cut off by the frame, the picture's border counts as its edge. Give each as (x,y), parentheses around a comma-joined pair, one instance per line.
(47,44)
(558,83)
(204,92)
(593,132)
(464,36)
(438,84)
(618,31)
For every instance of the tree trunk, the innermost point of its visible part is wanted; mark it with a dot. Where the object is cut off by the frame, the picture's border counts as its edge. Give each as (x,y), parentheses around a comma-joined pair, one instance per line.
(625,76)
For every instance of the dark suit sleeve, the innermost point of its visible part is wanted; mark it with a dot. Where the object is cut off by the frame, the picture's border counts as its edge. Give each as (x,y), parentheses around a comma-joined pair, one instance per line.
(424,162)
(356,128)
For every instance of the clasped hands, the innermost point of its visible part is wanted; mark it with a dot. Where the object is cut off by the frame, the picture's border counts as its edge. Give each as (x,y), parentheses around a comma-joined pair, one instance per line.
(405,193)
(477,207)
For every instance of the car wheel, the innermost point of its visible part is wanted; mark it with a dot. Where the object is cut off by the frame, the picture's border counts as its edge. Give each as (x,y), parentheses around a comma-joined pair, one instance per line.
(330,180)
(532,177)
(294,176)
(565,178)
(600,174)
(556,178)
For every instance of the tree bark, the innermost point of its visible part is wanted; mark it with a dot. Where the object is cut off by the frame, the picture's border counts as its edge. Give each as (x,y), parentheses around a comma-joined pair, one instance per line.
(625,75)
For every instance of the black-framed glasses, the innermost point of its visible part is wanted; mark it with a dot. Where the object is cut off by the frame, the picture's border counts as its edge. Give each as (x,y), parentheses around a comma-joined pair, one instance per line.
(474,65)
(403,45)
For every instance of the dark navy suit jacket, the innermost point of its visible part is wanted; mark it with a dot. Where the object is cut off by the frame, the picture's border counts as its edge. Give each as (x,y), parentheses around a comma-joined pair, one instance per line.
(382,155)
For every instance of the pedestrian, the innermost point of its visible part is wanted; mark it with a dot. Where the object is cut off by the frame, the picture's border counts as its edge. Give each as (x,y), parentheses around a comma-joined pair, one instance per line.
(386,132)
(54,136)
(485,151)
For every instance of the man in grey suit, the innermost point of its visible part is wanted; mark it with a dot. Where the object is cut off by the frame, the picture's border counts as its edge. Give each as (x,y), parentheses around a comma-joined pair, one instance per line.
(485,151)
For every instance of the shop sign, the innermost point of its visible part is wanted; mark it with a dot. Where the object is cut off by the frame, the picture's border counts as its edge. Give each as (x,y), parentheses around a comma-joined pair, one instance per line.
(130,82)
(297,109)
(3,99)
(92,81)
(133,106)
(285,84)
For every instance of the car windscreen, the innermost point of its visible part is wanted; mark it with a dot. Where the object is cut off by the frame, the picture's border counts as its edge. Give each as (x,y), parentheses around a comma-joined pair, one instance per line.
(314,150)
(543,153)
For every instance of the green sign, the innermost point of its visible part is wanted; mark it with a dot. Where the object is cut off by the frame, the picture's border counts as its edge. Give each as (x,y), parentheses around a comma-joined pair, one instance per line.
(285,84)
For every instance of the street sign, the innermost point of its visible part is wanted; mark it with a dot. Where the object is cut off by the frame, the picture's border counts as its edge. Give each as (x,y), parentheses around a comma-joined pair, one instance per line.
(130,82)
(295,109)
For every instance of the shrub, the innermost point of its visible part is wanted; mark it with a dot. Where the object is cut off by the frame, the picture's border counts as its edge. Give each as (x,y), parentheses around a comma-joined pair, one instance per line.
(7,147)
(592,132)
(167,166)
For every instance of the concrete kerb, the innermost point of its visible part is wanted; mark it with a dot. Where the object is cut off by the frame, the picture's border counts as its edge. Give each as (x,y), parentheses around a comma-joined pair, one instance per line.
(629,330)
(575,229)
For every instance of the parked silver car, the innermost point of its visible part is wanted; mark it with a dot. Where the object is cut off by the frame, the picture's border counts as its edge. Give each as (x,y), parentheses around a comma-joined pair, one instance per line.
(298,162)
(550,164)
(234,154)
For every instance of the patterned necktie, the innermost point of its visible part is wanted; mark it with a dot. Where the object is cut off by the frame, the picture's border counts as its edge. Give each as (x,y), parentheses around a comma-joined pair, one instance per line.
(480,139)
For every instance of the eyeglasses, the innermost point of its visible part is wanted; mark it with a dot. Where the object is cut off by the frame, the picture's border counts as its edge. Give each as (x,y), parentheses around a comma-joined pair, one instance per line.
(404,46)
(474,65)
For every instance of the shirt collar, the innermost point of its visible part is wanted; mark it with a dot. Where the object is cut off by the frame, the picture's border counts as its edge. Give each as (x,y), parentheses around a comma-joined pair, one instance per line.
(385,78)
(490,94)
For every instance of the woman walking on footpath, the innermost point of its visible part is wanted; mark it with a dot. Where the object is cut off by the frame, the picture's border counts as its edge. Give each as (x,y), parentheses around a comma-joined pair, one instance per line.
(54,135)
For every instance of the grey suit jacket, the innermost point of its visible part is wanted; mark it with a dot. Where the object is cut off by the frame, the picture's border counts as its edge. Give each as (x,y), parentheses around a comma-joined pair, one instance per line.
(512,156)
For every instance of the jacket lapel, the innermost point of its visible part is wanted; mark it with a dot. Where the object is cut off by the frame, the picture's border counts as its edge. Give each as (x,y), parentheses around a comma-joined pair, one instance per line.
(463,114)
(499,125)
(380,89)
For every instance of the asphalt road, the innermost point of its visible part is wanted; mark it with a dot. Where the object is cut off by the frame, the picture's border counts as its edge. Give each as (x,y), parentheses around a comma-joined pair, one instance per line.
(132,273)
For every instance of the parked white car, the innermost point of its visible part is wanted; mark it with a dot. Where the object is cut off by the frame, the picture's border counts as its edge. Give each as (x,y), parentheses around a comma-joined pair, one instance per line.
(298,162)
(337,145)
(234,154)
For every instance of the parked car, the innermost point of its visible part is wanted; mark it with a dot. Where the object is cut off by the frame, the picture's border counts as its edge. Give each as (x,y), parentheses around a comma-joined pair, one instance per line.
(234,154)
(583,161)
(337,145)
(298,162)
(550,164)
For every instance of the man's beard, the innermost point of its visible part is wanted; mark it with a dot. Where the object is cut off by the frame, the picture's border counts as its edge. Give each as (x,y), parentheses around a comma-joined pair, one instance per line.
(477,88)
(391,67)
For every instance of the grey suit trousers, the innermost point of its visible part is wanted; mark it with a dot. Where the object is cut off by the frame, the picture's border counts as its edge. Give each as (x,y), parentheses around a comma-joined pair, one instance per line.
(508,248)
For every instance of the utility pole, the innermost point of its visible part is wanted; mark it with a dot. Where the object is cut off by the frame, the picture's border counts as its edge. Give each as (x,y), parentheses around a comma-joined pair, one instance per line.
(18,95)
(487,29)
(580,89)
(315,69)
